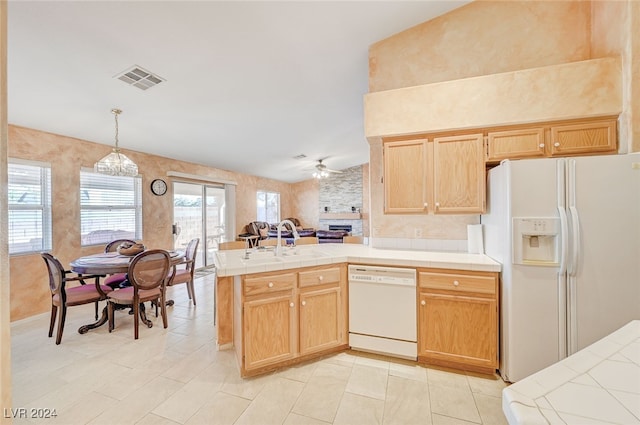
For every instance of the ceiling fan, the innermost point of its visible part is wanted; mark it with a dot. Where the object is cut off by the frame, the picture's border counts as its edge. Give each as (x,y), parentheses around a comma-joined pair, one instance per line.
(322,171)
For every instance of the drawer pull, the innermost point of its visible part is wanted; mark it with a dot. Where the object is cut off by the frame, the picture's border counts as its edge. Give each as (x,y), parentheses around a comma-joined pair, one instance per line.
(270,285)
(291,304)
(304,303)
(456,283)
(423,302)
(320,278)
(556,144)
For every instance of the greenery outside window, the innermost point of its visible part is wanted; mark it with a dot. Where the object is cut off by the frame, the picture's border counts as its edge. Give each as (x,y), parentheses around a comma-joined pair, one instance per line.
(110,208)
(268,206)
(29,191)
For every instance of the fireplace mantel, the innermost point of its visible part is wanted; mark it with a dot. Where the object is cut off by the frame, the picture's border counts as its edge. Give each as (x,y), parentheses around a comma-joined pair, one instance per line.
(340,216)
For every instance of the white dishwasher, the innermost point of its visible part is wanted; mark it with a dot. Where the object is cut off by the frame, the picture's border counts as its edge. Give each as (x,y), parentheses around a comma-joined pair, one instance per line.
(382,310)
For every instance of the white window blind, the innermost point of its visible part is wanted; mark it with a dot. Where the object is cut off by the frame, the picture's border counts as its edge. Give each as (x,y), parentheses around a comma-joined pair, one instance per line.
(29,194)
(268,206)
(110,208)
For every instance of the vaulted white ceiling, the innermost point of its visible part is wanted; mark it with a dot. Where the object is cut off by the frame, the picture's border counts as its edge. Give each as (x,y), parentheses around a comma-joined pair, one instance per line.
(249,84)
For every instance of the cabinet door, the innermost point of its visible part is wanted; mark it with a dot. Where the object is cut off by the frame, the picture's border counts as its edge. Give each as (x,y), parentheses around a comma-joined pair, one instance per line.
(513,144)
(459,174)
(581,138)
(405,176)
(269,330)
(458,329)
(320,320)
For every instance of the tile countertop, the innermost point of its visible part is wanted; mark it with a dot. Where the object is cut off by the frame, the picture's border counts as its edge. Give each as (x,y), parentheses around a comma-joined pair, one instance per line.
(599,384)
(232,262)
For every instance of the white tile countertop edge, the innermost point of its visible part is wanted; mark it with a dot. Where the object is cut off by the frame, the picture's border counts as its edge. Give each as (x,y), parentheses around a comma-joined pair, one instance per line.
(232,262)
(599,384)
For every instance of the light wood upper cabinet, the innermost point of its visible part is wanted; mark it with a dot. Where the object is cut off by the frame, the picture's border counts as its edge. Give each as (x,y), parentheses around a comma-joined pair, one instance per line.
(522,143)
(445,175)
(459,174)
(458,319)
(405,176)
(581,138)
(577,137)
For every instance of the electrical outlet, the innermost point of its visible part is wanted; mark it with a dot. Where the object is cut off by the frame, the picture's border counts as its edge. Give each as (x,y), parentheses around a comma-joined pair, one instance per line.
(417,232)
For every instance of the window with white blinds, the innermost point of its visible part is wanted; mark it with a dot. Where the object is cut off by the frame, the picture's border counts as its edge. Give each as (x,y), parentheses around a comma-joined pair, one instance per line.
(110,208)
(268,206)
(29,193)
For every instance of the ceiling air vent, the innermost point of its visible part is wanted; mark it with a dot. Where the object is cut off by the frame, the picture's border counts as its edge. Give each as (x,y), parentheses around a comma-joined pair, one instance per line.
(139,77)
(301,156)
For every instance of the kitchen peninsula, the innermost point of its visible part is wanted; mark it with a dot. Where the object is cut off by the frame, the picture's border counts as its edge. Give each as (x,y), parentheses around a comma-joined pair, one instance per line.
(279,310)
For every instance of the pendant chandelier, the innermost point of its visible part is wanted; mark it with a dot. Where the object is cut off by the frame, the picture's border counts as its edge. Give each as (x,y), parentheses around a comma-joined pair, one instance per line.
(116,163)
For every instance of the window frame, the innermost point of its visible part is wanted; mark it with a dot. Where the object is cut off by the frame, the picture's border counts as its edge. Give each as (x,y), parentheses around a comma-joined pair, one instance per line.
(136,207)
(266,209)
(44,206)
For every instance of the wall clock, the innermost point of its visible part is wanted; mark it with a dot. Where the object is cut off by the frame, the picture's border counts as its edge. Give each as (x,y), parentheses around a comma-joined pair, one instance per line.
(158,187)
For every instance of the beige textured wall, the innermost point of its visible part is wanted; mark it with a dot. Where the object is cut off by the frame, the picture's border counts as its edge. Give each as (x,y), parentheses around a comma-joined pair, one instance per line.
(305,202)
(483,37)
(616,31)
(29,293)
(5,329)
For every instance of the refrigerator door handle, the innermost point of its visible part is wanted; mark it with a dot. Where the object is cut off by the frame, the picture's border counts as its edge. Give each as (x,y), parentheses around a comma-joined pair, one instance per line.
(564,240)
(575,241)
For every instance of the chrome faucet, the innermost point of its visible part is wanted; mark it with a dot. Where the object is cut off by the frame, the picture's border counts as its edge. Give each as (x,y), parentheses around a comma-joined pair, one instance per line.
(296,236)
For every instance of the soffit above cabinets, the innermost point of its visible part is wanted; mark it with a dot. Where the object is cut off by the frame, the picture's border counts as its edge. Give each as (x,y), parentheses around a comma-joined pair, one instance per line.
(567,91)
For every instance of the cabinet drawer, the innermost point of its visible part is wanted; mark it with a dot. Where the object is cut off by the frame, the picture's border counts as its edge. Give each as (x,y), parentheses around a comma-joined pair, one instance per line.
(457,282)
(319,277)
(267,284)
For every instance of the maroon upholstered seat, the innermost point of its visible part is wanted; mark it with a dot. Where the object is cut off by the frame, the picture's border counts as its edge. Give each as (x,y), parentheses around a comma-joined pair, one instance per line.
(63,296)
(116,279)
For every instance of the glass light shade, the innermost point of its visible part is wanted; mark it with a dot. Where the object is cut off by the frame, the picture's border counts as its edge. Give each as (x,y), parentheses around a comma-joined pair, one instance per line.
(116,164)
(320,174)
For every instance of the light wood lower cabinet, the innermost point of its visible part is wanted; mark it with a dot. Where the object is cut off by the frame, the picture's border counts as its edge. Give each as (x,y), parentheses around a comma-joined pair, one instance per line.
(458,319)
(287,317)
(320,320)
(269,330)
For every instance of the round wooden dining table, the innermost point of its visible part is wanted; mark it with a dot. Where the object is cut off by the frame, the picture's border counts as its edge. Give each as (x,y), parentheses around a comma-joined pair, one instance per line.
(106,263)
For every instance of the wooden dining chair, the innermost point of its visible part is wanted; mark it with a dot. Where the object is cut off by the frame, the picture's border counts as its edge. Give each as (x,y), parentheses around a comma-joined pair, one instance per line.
(148,274)
(63,296)
(185,274)
(116,279)
(232,245)
(353,239)
(307,240)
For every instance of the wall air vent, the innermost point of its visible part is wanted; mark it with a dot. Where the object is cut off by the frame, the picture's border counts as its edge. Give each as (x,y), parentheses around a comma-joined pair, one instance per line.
(139,77)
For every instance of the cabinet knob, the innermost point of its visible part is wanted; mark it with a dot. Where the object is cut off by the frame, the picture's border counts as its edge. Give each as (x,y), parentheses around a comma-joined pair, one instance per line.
(456,283)
(304,303)
(426,204)
(556,144)
(291,304)
(320,278)
(541,145)
(423,302)
(437,204)
(270,285)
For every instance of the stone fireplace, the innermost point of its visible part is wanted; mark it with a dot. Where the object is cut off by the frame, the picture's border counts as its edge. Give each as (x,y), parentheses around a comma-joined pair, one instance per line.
(341,201)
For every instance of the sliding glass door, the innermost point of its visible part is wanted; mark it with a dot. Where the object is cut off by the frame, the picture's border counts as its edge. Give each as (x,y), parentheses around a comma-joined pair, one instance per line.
(199,212)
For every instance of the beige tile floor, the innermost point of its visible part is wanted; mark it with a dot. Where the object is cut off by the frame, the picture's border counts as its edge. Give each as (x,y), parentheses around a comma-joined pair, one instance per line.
(176,376)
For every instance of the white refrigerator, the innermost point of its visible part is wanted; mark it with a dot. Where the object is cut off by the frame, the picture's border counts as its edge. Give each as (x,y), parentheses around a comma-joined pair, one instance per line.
(567,232)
